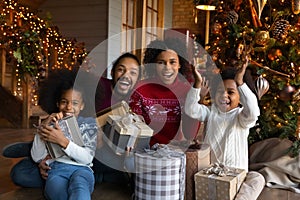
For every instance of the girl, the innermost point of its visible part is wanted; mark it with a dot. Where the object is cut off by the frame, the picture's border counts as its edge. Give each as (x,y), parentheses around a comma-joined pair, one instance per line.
(69,176)
(160,98)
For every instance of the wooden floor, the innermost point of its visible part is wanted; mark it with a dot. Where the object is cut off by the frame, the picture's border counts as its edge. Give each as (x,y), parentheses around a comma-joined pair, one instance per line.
(8,191)
(105,191)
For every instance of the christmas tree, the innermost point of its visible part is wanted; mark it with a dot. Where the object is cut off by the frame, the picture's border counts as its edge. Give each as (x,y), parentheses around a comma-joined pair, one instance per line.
(268,31)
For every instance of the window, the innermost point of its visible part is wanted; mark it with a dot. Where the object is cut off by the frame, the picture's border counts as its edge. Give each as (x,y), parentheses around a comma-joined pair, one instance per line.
(151,20)
(128,24)
(139,14)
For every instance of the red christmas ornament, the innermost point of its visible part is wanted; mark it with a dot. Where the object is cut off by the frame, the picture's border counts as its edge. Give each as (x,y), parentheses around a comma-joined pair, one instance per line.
(286,94)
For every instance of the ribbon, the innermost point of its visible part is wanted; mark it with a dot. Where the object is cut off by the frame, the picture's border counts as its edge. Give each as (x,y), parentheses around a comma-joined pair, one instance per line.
(217,169)
(220,169)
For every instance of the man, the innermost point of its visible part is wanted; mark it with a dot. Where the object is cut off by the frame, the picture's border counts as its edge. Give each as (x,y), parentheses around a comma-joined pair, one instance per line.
(126,71)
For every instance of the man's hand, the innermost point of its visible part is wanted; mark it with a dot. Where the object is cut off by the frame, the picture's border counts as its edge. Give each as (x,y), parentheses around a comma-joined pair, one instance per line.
(44,167)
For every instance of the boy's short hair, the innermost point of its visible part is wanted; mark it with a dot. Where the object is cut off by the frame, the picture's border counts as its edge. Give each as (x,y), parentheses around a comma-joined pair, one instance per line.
(229,73)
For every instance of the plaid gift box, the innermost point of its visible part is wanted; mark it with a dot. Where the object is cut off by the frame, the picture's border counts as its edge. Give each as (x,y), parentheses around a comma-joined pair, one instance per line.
(160,175)
(197,158)
(212,184)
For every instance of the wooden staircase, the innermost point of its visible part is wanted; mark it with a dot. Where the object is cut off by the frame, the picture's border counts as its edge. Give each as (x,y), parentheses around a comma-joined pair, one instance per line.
(11,108)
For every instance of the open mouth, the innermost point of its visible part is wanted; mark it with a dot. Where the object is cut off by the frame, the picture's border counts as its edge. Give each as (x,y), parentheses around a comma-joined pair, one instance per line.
(167,75)
(123,84)
(225,102)
(66,114)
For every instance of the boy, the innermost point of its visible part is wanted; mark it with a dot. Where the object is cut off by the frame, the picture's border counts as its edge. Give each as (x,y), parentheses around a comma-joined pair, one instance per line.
(233,112)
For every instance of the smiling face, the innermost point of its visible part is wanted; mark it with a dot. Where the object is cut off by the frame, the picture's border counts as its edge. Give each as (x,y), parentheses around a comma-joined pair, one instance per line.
(125,76)
(167,66)
(227,96)
(71,103)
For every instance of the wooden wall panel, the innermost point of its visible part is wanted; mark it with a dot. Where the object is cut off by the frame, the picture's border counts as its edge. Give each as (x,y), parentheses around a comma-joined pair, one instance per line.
(84,20)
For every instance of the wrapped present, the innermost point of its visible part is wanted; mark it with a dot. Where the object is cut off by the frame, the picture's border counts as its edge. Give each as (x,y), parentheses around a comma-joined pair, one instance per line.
(160,174)
(70,128)
(218,182)
(125,131)
(119,109)
(197,158)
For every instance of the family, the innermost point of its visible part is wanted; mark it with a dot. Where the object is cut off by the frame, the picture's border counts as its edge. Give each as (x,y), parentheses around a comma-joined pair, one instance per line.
(169,104)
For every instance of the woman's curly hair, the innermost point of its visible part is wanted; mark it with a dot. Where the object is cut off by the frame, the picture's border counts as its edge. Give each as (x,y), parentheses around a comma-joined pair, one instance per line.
(157,46)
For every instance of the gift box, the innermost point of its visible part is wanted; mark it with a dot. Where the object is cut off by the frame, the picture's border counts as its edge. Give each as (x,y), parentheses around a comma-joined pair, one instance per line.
(119,109)
(125,131)
(160,174)
(197,158)
(213,184)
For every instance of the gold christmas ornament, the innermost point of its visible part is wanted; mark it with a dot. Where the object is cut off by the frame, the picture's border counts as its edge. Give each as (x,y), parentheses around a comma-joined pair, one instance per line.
(296,6)
(261,86)
(262,37)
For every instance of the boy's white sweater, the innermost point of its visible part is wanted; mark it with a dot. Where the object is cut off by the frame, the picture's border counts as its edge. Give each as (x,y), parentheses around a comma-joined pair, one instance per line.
(227,133)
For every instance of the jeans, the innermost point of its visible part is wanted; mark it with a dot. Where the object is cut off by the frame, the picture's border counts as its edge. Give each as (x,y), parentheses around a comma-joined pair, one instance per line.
(26,174)
(69,182)
(104,173)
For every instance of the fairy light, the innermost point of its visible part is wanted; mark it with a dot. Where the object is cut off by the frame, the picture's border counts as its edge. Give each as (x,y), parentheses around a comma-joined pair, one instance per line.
(44,41)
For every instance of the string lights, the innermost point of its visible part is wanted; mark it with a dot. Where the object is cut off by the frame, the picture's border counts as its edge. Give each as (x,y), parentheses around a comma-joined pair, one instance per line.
(34,44)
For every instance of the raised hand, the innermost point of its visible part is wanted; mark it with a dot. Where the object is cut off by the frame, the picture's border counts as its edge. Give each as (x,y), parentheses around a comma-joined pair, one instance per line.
(204,88)
(198,78)
(241,72)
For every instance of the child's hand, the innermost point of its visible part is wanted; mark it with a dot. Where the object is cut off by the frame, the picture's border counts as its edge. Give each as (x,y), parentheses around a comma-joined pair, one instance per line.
(44,167)
(54,134)
(241,72)
(197,77)
(54,117)
(204,88)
